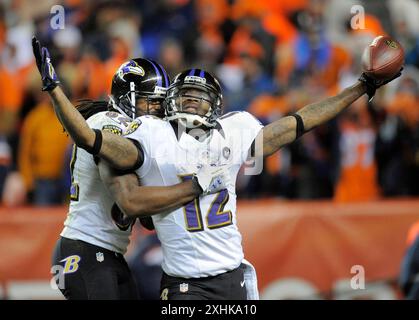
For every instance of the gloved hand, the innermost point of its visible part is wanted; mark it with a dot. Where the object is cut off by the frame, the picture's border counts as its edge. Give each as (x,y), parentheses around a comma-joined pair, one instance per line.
(373,85)
(213,179)
(45,68)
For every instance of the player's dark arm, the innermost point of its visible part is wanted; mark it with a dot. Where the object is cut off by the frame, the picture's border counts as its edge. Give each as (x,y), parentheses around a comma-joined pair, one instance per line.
(119,152)
(139,201)
(284,131)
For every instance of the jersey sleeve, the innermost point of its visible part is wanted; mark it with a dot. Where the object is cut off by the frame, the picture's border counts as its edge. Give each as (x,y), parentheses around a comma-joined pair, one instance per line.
(243,129)
(109,121)
(139,131)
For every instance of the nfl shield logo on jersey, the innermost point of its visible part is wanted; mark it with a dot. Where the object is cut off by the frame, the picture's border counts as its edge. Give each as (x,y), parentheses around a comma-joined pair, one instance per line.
(183,287)
(99,256)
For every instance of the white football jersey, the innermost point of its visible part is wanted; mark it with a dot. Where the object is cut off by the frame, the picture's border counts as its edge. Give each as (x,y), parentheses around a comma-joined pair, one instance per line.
(90,213)
(200,239)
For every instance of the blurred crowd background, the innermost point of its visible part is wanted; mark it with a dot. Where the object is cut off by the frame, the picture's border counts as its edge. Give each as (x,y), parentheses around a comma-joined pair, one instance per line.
(272,58)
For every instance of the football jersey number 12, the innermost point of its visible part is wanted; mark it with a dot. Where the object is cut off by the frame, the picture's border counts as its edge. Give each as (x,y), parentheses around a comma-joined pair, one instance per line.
(216,217)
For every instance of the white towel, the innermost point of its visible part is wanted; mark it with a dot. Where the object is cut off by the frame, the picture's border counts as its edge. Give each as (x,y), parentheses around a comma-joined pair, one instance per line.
(251,281)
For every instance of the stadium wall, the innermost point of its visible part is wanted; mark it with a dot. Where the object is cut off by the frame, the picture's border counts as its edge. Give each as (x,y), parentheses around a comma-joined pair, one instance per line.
(308,250)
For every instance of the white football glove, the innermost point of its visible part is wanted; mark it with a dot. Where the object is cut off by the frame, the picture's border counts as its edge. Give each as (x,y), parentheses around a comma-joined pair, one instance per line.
(213,179)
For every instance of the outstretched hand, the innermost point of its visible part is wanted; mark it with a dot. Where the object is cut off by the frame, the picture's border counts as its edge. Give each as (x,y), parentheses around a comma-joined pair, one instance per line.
(45,67)
(373,84)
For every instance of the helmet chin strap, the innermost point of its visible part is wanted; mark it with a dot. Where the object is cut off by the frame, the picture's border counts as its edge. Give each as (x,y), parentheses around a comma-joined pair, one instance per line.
(190,121)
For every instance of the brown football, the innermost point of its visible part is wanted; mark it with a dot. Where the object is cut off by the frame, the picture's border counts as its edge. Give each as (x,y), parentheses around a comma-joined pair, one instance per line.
(383,58)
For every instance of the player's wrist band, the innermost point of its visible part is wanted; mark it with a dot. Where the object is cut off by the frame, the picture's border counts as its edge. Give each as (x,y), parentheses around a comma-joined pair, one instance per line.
(300,125)
(97,145)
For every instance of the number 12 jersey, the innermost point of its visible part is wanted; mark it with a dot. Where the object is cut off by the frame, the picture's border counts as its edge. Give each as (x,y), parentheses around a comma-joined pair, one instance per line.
(201,238)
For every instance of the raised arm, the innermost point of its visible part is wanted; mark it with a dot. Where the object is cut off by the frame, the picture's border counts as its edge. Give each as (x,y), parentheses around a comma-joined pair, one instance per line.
(287,129)
(121,153)
(284,130)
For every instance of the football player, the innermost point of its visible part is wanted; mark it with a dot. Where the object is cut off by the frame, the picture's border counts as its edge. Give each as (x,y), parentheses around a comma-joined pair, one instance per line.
(203,256)
(96,232)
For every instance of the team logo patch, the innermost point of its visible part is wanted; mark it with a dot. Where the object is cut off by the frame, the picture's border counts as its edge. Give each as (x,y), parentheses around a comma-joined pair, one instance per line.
(392,44)
(112,129)
(99,256)
(183,287)
(132,127)
(71,264)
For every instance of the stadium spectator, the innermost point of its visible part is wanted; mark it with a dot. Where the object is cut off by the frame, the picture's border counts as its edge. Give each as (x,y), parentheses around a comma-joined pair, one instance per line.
(145,264)
(172,56)
(357,178)
(256,48)
(254,81)
(41,154)
(398,139)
